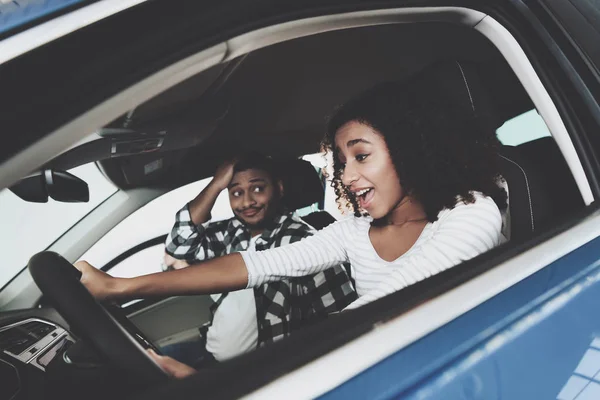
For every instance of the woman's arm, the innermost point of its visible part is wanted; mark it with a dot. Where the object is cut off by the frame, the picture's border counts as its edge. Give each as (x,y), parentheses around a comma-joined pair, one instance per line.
(231,272)
(218,275)
(309,256)
(192,237)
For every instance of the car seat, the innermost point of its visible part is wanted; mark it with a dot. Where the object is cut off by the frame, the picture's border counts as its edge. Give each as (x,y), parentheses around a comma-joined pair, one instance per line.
(532,170)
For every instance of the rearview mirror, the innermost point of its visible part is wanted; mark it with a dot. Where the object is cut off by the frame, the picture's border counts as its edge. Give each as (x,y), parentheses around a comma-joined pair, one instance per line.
(59,185)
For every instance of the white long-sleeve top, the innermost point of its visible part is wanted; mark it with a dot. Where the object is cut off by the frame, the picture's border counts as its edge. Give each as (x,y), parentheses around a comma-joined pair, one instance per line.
(458,235)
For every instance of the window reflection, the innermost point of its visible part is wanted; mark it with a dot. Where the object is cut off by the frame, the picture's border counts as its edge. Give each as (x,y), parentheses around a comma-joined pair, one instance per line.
(584,384)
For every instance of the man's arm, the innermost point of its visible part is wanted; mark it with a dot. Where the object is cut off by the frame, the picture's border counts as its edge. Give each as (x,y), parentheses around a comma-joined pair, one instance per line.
(201,206)
(329,291)
(218,275)
(188,240)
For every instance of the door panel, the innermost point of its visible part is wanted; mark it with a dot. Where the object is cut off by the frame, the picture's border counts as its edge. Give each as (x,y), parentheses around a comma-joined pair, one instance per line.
(162,320)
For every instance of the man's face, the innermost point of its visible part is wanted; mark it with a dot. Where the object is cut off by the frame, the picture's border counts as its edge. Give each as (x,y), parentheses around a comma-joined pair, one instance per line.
(254,197)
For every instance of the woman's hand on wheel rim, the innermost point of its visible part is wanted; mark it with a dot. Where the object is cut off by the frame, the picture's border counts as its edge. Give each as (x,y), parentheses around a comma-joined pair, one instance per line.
(99,284)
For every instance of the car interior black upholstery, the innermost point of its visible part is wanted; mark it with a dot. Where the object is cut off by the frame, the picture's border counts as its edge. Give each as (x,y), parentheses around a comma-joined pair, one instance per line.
(555,174)
(534,171)
(303,187)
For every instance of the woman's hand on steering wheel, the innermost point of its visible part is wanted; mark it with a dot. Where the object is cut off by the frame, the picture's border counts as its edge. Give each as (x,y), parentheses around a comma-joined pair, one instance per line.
(71,291)
(101,285)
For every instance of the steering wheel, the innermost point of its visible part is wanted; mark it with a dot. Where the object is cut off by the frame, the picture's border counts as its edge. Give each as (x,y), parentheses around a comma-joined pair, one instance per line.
(111,336)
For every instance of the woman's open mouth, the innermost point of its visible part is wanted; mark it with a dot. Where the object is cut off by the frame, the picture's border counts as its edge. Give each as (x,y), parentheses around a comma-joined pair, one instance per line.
(364,197)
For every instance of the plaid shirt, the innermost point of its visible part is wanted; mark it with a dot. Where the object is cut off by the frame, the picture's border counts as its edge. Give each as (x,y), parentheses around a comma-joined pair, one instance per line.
(281,306)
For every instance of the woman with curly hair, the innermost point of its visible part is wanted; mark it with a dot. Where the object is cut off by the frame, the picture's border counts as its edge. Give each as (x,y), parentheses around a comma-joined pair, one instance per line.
(421,179)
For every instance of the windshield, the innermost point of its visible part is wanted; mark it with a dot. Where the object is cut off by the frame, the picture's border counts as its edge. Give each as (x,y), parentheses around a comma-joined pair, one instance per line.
(28,228)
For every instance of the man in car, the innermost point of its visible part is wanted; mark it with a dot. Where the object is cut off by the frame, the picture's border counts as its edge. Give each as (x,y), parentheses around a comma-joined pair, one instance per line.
(246,319)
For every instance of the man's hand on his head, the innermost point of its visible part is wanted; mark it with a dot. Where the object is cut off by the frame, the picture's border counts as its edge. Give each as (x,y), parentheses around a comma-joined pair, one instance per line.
(224,174)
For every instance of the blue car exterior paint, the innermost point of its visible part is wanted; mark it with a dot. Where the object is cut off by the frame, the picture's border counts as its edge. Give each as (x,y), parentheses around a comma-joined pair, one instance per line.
(20,12)
(539,339)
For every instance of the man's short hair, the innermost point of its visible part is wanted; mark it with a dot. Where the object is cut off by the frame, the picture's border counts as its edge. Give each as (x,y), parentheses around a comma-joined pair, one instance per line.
(256,160)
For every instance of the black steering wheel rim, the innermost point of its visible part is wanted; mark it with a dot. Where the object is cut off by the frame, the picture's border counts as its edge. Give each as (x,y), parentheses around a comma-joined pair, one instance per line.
(60,282)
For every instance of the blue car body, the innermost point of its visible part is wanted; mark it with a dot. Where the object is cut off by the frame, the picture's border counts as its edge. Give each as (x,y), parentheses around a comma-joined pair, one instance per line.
(17,13)
(544,328)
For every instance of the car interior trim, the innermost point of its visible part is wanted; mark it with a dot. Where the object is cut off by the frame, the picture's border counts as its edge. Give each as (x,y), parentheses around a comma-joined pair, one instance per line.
(268,36)
(61,139)
(41,345)
(14,396)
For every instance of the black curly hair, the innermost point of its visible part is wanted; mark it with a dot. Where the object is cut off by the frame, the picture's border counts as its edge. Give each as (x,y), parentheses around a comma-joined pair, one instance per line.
(257,160)
(441,153)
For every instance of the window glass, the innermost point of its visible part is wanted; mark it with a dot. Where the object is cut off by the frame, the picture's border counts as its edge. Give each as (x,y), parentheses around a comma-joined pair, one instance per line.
(146,261)
(152,220)
(522,129)
(28,228)
(583,383)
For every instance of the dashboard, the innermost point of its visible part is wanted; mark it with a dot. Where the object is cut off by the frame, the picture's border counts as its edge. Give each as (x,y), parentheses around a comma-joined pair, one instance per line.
(28,343)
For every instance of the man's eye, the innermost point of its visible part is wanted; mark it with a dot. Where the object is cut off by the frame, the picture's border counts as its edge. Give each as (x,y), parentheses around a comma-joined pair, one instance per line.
(258,189)
(361,157)
(236,194)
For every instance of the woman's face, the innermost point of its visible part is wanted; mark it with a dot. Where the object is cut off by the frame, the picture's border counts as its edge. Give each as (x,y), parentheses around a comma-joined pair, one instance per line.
(368,171)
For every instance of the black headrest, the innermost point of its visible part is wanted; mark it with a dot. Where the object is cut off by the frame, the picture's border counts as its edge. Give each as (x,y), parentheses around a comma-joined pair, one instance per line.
(564,194)
(302,184)
(459,83)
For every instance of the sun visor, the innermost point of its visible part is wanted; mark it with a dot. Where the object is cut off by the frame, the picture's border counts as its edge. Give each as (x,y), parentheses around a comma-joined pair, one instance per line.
(180,117)
(183,128)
